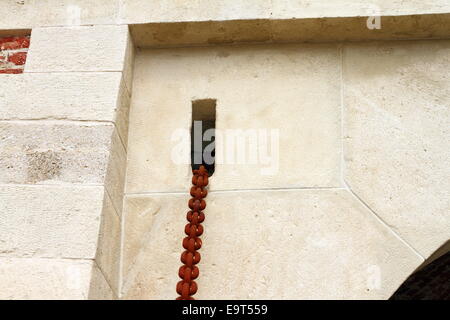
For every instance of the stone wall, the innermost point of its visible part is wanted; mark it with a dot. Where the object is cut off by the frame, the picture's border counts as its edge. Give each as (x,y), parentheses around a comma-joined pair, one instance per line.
(63,129)
(27,14)
(359,200)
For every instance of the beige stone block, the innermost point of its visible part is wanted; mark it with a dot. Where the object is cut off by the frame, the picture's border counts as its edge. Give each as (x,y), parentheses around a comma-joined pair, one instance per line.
(123,112)
(51,279)
(50,221)
(109,242)
(179,34)
(116,171)
(290,88)
(55,152)
(49,152)
(61,222)
(91,48)
(288,9)
(287,244)
(171,23)
(66,96)
(99,288)
(140,11)
(396,98)
(33,13)
(139,214)
(130,53)
(426,26)
(314,29)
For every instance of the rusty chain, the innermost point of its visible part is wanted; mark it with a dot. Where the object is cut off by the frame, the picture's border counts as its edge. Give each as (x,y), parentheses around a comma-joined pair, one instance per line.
(188,272)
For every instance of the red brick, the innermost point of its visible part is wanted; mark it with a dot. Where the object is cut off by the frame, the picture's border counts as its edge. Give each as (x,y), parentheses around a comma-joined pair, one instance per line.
(12,43)
(10,71)
(18,58)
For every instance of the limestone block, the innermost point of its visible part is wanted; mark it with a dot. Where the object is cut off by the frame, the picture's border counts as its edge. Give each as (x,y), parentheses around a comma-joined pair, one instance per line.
(397,137)
(123,112)
(201,33)
(140,11)
(290,88)
(51,152)
(72,96)
(55,152)
(50,221)
(316,29)
(34,13)
(307,244)
(109,242)
(116,171)
(288,9)
(92,48)
(130,52)
(76,222)
(51,279)
(138,227)
(28,14)
(426,26)
(175,23)
(99,288)
(68,96)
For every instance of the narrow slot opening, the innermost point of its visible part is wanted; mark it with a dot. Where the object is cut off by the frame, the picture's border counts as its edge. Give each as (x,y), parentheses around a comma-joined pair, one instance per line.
(203,134)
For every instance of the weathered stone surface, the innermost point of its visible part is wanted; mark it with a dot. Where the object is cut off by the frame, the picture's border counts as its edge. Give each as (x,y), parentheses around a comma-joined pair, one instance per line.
(130,53)
(93,48)
(123,112)
(54,152)
(76,222)
(140,11)
(22,14)
(396,98)
(426,26)
(71,96)
(260,88)
(201,33)
(99,288)
(309,244)
(50,221)
(116,171)
(108,249)
(47,152)
(139,213)
(323,29)
(288,9)
(174,23)
(28,14)
(50,279)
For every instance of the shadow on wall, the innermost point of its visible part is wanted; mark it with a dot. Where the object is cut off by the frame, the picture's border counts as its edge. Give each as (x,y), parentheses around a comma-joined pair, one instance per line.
(431,281)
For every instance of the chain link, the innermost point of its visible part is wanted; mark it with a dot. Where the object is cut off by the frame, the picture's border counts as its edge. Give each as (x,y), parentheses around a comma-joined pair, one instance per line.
(188,272)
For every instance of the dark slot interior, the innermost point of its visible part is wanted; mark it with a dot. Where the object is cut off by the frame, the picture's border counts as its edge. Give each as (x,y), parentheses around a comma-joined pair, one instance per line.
(203,119)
